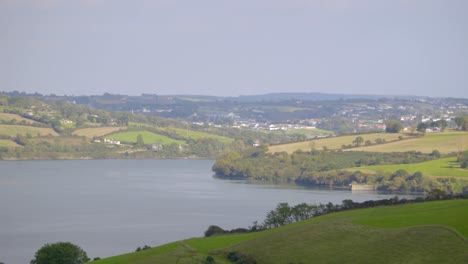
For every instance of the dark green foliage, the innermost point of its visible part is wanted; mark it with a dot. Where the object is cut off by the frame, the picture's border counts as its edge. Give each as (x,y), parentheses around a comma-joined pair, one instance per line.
(436,153)
(240,258)
(462,122)
(140,141)
(216,230)
(463,159)
(145,247)
(210,260)
(60,253)
(392,126)
(213,230)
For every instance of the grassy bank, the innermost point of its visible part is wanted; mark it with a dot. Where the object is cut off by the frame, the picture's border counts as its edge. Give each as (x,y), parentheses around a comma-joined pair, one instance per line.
(431,232)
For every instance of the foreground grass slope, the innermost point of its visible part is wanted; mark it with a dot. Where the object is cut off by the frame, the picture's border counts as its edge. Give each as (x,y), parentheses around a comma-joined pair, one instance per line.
(431,232)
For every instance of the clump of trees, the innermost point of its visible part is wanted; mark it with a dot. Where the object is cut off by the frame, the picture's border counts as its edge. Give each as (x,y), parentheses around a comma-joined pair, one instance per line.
(60,253)
(463,159)
(440,124)
(145,247)
(216,230)
(462,122)
(392,126)
(240,258)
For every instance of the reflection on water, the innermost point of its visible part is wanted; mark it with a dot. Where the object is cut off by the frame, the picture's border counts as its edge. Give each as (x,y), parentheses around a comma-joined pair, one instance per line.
(110,207)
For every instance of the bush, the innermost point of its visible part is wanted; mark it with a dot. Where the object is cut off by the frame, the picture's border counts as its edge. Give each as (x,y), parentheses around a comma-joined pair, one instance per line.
(240,258)
(60,253)
(213,230)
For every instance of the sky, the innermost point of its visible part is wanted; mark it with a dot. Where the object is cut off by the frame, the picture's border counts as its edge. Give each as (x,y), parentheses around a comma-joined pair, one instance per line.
(234,47)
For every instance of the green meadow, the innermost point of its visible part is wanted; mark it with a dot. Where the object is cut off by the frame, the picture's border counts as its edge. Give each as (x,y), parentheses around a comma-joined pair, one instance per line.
(148,137)
(430,232)
(333,142)
(186,133)
(444,142)
(305,131)
(447,167)
(13,130)
(8,143)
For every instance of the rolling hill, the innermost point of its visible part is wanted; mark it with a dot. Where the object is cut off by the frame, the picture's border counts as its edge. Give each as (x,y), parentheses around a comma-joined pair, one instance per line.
(444,142)
(431,232)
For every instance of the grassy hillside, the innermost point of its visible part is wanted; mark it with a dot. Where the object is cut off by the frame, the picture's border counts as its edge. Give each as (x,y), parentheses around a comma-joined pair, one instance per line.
(186,133)
(306,131)
(333,142)
(97,131)
(431,232)
(148,137)
(6,117)
(444,142)
(13,130)
(8,143)
(197,134)
(447,167)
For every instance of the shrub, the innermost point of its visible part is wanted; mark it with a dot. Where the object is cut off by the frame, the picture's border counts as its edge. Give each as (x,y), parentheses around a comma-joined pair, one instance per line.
(60,253)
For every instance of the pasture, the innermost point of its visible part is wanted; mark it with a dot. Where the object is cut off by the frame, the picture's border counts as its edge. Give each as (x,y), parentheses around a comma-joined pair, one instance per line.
(148,137)
(186,133)
(444,142)
(13,130)
(6,117)
(447,167)
(334,142)
(97,131)
(8,143)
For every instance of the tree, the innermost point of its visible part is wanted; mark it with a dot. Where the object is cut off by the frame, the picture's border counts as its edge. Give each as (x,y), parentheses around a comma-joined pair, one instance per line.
(60,253)
(422,127)
(462,122)
(392,126)
(140,141)
(358,141)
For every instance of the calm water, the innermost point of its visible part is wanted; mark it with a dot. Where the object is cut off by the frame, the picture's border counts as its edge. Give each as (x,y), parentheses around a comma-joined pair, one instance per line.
(111,207)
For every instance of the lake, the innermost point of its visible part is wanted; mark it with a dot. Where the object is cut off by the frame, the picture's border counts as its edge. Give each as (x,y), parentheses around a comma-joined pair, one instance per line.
(111,207)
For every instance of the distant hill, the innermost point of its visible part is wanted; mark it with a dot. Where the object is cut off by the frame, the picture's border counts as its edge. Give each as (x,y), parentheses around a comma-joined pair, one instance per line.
(316,97)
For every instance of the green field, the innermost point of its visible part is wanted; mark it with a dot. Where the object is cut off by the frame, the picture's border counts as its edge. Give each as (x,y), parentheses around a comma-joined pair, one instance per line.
(444,142)
(431,232)
(447,167)
(333,142)
(186,133)
(8,117)
(305,131)
(8,143)
(97,131)
(148,137)
(13,130)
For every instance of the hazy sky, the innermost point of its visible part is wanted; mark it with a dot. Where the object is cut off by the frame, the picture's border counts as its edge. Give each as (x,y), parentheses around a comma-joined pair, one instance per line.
(233,47)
